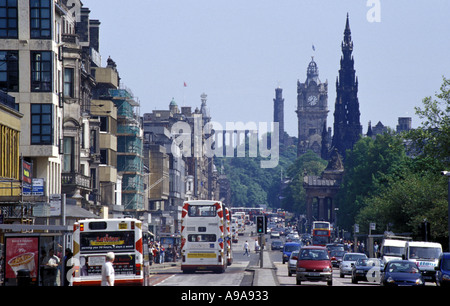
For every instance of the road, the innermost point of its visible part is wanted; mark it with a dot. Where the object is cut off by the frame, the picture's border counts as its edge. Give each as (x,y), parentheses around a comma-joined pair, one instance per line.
(241,272)
(237,274)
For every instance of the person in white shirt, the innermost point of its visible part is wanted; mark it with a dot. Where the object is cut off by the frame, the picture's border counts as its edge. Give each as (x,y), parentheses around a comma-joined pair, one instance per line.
(108,270)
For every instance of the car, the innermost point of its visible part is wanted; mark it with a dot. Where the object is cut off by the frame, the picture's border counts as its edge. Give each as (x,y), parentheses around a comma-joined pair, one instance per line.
(367,269)
(288,248)
(276,245)
(347,263)
(275,234)
(443,270)
(335,247)
(314,264)
(401,273)
(292,263)
(336,257)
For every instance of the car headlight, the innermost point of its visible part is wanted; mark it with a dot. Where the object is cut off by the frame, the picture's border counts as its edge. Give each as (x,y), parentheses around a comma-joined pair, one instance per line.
(419,281)
(301,269)
(390,280)
(327,269)
(446,277)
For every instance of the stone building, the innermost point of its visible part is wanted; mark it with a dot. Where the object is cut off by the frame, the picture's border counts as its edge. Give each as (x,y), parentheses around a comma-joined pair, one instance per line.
(312,111)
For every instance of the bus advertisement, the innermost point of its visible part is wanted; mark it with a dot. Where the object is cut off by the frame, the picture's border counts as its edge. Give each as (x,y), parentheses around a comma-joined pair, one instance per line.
(204,237)
(93,238)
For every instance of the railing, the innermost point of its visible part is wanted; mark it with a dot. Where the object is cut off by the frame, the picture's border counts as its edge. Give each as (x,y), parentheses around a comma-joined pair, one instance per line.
(76,179)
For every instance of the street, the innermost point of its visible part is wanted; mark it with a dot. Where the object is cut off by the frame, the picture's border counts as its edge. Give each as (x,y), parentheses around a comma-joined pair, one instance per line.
(243,271)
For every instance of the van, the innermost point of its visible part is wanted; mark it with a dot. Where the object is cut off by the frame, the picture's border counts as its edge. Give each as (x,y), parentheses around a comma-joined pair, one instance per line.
(392,249)
(425,255)
(443,270)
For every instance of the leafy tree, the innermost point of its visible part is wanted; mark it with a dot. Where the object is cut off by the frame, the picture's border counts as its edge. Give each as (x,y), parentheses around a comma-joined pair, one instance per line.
(294,196)
(369,167)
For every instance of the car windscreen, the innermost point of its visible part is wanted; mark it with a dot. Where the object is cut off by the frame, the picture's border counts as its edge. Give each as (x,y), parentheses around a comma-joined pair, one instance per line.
(313,254)
(291,247)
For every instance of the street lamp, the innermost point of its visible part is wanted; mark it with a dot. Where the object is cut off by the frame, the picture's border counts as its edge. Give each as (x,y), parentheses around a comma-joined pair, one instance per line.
(447,174)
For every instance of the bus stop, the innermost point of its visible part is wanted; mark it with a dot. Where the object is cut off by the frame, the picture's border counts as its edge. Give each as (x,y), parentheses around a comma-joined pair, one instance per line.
(31,258)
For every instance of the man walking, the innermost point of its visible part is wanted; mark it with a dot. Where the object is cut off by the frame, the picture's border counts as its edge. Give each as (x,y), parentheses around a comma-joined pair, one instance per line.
(246,248)
(108,270)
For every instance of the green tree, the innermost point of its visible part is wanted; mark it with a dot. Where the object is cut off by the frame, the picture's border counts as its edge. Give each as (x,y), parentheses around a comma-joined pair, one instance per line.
(368,169)
(294,196)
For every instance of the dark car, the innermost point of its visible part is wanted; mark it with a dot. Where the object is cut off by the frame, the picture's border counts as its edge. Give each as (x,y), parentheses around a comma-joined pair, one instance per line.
(401,273)
(288,249)
(443,270)
(367,269)
(314,265)
(276,245)
(336,257)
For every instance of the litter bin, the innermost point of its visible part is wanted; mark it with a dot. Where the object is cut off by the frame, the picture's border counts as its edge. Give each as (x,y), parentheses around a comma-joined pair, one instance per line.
(23,278)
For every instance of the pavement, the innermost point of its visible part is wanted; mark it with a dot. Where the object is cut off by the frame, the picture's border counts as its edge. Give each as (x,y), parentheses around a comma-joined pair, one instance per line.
(265,275)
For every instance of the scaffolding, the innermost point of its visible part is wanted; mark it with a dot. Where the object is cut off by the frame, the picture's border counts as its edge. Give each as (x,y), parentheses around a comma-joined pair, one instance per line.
(129,149)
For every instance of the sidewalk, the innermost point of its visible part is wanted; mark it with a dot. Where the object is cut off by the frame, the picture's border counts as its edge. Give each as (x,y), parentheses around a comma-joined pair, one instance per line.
(265,276)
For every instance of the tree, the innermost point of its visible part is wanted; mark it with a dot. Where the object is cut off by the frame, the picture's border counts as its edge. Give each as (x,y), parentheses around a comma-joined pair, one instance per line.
(432,139)
(369,167)
(294,196)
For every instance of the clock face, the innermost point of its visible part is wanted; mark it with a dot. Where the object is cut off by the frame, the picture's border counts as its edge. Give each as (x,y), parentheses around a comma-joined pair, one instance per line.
(312,100)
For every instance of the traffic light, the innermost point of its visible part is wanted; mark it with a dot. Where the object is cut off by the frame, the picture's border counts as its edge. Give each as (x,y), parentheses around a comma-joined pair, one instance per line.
(261,224)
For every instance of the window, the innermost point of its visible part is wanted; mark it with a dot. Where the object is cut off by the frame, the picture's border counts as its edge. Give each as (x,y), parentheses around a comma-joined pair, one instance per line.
(41,71)
(41,124)
(103,156)
(9,70)
(40,19)
(68,154)
(68,82)
(8,19)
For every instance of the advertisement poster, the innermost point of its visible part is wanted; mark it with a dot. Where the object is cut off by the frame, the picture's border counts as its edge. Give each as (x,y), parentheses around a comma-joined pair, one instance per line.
(21,254)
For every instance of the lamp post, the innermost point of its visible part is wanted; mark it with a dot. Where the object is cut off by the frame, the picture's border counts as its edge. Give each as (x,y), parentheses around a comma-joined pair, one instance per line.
(447,174)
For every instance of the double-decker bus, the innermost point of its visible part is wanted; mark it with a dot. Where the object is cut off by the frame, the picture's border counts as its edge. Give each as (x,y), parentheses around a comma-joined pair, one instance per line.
(321,225)
(321,233)
(204,236)
(93,238)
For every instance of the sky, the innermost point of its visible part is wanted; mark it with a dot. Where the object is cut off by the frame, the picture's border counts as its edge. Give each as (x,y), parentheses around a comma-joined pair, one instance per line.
(239,51)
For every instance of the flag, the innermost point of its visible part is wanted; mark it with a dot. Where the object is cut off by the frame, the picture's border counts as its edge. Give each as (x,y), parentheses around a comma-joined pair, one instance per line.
(314,48)
(185,85)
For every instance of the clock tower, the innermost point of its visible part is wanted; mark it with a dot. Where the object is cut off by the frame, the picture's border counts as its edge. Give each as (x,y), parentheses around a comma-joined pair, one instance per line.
(312,111)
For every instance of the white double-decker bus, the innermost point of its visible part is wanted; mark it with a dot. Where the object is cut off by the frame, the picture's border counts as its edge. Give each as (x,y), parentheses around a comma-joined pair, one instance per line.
(93,238)
(205,236)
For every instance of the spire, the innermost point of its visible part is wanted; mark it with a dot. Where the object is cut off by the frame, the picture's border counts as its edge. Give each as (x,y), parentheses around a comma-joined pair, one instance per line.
(347,44)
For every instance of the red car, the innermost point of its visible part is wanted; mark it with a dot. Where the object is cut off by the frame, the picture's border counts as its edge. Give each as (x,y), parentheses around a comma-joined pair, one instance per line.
(314,265)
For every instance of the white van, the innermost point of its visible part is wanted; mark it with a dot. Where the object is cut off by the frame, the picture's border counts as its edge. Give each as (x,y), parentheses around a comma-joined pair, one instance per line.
(425,255)
(392,249)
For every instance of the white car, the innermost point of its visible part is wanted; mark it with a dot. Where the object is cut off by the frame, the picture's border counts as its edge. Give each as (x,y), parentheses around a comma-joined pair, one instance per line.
(274,234)
(292,263)
(348,261)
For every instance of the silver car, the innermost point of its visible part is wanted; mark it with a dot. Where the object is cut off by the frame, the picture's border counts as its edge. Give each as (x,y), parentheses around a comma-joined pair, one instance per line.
(348,261)
(292,263)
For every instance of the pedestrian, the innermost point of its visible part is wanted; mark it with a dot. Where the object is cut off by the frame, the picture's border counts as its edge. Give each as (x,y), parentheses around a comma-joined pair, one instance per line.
(51,263)
(246,248)
(161,253)
(256,246)
(108,270)
(68,265)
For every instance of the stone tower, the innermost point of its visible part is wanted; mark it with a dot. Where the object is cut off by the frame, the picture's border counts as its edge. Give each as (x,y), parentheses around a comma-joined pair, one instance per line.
(278,111)
(347,126)
(312,111)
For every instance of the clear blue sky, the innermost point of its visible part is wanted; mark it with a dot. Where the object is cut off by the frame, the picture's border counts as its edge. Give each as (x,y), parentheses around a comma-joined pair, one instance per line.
(239,51)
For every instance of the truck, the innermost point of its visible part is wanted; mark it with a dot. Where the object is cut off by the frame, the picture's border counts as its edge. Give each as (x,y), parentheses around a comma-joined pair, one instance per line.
(425,255)
(393,247)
